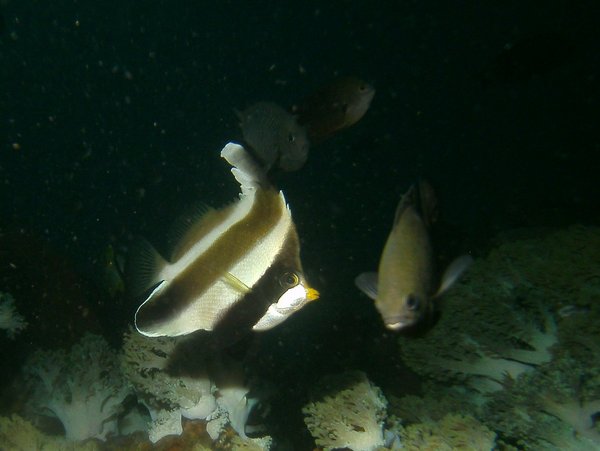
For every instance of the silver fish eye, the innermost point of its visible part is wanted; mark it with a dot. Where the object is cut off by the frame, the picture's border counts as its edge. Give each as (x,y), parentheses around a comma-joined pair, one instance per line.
(291,138)
(289,280)
(412,302)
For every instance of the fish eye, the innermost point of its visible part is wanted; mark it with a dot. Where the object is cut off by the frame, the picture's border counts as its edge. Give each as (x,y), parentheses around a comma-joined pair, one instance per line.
(289,280)
(291,138)
(412,302)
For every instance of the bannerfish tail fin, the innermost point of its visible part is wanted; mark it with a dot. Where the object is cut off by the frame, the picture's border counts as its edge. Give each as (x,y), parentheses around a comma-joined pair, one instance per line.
(367,283)
(245,169)
(453,272)
(143,266)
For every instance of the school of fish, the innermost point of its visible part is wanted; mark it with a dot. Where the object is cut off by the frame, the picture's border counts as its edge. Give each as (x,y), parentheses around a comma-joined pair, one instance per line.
(238,270)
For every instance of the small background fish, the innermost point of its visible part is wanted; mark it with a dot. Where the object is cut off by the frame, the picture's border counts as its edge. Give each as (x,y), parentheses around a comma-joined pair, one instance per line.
(531,56)
(334,107)
(274,136)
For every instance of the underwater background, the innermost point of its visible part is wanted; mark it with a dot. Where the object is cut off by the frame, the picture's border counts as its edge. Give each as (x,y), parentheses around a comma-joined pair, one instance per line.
(113,114)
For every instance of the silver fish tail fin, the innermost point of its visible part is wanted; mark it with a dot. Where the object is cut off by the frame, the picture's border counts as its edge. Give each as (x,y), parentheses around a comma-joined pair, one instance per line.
(428,205)
(408,199)
(421,197)
(245,169)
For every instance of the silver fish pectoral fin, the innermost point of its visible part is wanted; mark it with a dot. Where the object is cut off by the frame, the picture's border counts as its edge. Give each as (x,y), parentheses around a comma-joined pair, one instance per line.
(453,272)
(367,283)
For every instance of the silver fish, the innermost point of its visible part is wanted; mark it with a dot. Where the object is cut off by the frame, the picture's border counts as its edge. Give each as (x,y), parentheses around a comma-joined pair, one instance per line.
(274,136)
(404,289)
(234,268)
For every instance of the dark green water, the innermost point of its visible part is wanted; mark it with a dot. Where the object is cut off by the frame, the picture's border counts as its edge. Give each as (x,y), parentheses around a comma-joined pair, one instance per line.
(113,113)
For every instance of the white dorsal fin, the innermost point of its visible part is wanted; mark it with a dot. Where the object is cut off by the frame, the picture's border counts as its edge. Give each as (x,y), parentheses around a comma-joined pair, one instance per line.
(245,169)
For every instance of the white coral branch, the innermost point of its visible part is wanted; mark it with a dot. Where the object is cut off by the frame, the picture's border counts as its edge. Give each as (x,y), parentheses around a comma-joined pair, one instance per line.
(10,319)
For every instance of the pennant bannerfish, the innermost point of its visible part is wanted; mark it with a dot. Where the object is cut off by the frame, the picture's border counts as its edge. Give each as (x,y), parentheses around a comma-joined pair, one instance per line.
(404,288)
(238,266)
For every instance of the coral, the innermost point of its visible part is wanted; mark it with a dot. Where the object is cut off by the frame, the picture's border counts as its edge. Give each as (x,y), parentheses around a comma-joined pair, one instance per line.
(84,388)
(16,434)
(144,362)
(9,317)
(436,403)
(452,432)
(498,322)
(235,442)
(349,413)
(234,405)
(524,363)
(552,408)
(164,422)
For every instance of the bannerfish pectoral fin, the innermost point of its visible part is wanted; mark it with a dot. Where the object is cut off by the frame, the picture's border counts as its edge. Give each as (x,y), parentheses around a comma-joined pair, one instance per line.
(235,283)
(453,272)
(367,283)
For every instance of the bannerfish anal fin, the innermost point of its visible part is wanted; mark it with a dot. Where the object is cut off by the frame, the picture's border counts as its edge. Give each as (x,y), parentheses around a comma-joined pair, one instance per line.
(235,283)
(453,272)
(367,283)
(142,267)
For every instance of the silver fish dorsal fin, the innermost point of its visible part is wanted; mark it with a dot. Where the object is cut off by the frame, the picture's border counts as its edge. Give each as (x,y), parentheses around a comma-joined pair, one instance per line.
(245,169)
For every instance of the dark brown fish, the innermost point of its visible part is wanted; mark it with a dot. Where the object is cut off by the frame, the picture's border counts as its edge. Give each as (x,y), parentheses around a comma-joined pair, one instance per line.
(532,55)
(334,107)
(274,136)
